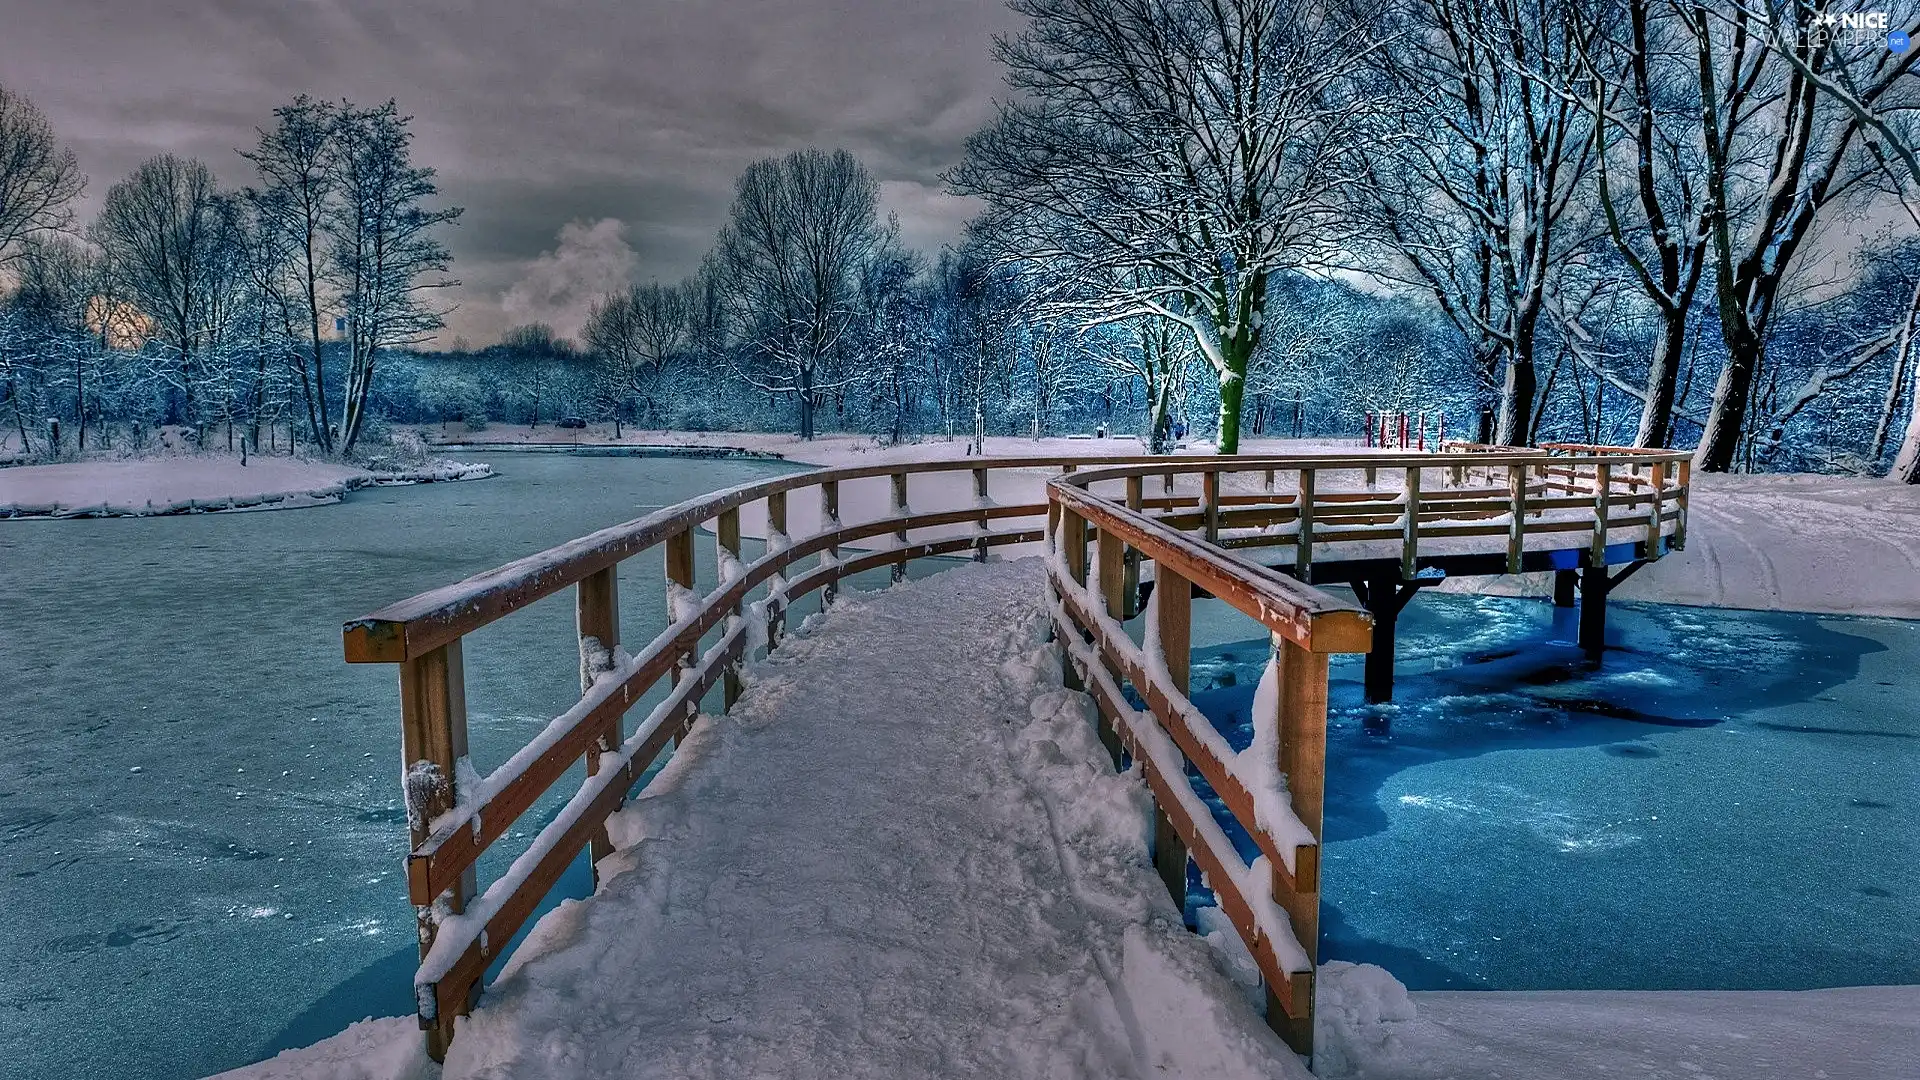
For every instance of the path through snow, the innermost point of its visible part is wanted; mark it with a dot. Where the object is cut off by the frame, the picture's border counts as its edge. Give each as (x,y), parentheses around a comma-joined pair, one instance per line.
(900,856)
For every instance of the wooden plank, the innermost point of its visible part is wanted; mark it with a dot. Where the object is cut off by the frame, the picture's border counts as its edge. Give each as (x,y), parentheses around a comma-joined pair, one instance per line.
(1113,574)
(680,572)
(1073,544)
(597,617)
(1680,523)
(1210,503)
(1657,476)
(1173,626)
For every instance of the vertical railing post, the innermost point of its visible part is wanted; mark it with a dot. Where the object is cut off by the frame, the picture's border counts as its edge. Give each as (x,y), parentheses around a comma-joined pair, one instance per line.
(1113,573)
(1070,539)
(433,740)
(1210,504)
(1657,476)
(830,522)
(1130,582)
(1303,534)
(727,541)
(1303,761)
(1602,496)
(597,615)
(986,524)
(680,578)
(776,540)
(1517,528)
(899,508)
(1410,546)
(1680,523)
(1173,625)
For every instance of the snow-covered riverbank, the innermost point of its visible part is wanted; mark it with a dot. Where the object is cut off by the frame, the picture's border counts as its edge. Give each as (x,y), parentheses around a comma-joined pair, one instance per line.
(190,484)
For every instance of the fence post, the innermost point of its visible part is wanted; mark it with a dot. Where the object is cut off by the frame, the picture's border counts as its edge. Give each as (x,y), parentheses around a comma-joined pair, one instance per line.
(830,522)
(1173,624)
(1210,504)
(1602,496)
(1517,530)
(727,540)
(1657,473)
(433,739)
(1303,761)
(1410,547)
(597,615)
(1303,533)
(1130,582)
(1680,523)
(986,523)
(899,508)
(680,574)
(776,540)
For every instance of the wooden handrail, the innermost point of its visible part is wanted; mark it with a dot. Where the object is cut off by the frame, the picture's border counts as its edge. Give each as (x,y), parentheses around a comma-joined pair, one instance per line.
(455,813)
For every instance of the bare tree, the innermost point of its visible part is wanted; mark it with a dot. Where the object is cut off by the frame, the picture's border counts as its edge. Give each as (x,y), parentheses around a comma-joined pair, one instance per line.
(1645,108)
(789,261)
(162,229)
(1780,150)
(294,206)
(39,179)
(1195,148)
(1477,192)
(385,246)
(638,333)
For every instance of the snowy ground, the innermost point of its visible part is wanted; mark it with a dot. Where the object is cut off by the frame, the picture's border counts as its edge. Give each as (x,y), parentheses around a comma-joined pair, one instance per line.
(195,483)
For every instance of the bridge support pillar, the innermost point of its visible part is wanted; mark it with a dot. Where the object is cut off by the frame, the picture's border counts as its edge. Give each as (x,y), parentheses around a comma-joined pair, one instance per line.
(1595,586)
(1383,597)
(1563,586)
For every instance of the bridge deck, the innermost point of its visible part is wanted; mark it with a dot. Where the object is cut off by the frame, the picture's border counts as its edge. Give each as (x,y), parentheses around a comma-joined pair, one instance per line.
(902,854)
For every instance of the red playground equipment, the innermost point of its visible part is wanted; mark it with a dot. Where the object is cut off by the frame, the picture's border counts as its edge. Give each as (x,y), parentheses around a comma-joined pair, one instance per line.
(1403,430)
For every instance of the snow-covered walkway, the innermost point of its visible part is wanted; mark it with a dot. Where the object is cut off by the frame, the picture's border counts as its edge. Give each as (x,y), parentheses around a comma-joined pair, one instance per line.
(900,856)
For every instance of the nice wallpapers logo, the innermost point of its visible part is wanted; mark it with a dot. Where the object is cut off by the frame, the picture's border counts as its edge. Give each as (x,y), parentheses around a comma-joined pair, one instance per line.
(1850,29)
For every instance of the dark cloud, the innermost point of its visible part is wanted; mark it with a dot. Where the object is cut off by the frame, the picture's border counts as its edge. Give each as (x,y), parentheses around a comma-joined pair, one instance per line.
(538,113)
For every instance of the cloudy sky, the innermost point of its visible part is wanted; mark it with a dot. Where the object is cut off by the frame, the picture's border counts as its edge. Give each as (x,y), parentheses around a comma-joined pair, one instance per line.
(591,143)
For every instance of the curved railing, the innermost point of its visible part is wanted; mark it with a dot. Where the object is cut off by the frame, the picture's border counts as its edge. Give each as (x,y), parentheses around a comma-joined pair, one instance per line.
(1336,507)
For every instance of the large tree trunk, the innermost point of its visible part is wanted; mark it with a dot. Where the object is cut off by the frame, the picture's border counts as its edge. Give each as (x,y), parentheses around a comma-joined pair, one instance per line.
(1720,443)
(1516,400)
(1663,378)
(804,383)
(1233,388)
(1906,466)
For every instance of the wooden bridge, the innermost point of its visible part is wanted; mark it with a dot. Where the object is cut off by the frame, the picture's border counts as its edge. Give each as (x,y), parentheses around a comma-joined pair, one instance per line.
(1123,538)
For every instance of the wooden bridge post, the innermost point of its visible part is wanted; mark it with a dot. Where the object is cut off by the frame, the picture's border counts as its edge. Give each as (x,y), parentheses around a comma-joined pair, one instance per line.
(597,615)
(1657,484)
(1384,597)
(1517,530)
(986,523)
(1210,504)
(1130,582)
(1303,760)
(727,538)
(1071,538)
(1564,582)
(776,537)
(1410,545)
(899,507)
(830,522)
(1303,532)
(1594,586)
(1173,625)
(679,548)
(1680,523)
(433,739)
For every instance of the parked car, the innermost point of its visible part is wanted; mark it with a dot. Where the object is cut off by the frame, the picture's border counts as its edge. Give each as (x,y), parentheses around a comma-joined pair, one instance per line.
(571,422)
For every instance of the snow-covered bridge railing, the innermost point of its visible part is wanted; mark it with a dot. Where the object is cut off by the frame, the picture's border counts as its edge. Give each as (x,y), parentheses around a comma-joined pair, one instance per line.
(1377,522)
(455,813)
(1274,789)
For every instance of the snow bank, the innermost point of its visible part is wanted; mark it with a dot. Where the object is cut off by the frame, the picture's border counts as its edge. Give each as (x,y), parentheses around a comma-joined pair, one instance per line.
(389,1049)
(197,484)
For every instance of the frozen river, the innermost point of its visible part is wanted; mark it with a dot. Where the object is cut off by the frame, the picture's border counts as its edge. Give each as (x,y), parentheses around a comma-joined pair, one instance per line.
(200,835)
(1731,801)
(200,831)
